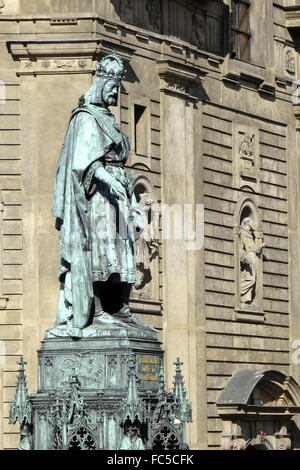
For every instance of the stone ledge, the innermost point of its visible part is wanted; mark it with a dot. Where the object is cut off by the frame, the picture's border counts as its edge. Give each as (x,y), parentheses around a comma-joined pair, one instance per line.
(100,333)
(42,48)
(249,315)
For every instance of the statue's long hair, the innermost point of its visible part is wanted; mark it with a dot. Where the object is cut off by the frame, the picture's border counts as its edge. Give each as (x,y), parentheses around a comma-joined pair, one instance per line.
(94,94)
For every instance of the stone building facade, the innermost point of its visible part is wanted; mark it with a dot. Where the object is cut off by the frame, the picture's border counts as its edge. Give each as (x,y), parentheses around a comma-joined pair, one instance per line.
(210,103)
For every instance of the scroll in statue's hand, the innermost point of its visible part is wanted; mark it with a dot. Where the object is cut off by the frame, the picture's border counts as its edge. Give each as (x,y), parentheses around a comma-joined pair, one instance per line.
(118,190)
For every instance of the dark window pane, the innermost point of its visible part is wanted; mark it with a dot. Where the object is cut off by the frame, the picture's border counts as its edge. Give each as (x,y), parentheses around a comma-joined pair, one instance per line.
(240,41)
(244,47)
(243,17)
(235,14)
(234,44)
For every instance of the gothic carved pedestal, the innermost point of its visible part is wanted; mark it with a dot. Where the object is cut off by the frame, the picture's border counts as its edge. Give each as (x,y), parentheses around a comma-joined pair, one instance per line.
(99,365)
(104,391)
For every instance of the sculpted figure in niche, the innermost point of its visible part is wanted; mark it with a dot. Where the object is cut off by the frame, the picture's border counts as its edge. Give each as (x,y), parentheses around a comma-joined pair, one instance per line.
(250,250)
(96,212)
(247,150)
(132,440)
(147,244)
(153,8)
(25,435)
(198,31)
(127,10)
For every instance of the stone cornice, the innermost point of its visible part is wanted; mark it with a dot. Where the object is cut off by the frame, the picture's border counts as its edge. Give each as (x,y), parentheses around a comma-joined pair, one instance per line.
(39,48)
(53,56)
(180,79)
(237,73)
(254,411)
(292,15)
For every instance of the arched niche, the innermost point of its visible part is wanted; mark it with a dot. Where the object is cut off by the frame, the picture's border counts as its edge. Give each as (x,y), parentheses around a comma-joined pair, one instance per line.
(248,256)
(145,293)
(257,408)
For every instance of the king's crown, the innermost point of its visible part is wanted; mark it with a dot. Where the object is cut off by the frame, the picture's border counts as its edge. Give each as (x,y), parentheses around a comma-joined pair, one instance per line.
(111,67)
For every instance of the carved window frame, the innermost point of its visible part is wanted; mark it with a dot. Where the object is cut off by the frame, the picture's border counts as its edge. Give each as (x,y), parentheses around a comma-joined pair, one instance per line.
(252,313)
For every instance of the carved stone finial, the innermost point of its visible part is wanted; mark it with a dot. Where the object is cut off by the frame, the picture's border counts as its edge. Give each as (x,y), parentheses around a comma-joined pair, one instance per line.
(183,407)
(20,408)
(172,411)
(133,407)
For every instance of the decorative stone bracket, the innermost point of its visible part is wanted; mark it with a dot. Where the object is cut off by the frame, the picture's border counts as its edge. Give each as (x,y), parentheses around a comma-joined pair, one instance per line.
(180,79)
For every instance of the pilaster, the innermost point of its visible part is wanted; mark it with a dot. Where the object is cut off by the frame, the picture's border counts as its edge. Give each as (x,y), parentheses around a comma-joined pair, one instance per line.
(183,264)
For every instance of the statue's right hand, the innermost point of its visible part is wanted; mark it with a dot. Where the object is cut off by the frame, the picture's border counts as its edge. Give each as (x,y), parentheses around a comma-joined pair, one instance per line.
(118,190)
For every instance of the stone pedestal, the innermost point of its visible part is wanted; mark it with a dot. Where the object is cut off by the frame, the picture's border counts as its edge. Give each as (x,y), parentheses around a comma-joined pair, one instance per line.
(100,362)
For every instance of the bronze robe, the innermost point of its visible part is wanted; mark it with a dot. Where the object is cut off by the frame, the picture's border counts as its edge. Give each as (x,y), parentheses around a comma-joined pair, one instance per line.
(96,232)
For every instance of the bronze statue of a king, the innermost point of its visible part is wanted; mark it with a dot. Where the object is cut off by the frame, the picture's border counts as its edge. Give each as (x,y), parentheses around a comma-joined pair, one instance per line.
(96,213)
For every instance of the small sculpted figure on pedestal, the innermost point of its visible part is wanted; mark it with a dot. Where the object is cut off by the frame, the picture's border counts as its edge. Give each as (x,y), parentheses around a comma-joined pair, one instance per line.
(96,213)
(132,439)
(250,249)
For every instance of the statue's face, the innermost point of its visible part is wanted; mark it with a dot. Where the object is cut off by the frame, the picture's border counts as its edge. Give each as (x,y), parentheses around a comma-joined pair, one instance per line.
(110,93)
(132,432)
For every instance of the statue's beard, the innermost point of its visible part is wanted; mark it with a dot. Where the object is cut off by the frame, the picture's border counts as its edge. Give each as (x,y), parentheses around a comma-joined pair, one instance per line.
(111,100)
